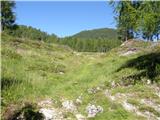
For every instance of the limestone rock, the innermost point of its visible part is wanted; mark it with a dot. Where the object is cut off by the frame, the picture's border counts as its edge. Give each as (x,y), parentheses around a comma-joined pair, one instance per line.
(69,106)
(113,84)
(79,100)
(93,90)
(51,114)
(80,117)
(148,82)
(45,103)
(93,110)
(128,106)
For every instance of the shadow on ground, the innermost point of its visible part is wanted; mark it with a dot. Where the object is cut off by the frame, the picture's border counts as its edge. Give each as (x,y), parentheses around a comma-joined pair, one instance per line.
(8,82)
(28,112)
(148,64)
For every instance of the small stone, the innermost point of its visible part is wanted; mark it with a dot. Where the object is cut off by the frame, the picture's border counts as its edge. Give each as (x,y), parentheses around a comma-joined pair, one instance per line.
(98,88)
(93,110)
(93,90)
(130,52)
(79,100)
(129,106)
(48,113)
(148,82)
(61,73)
(100,109)
(157,91)
(108,94)
(51,114)
(113,84)
(80,117)
(69,105)
(46,103)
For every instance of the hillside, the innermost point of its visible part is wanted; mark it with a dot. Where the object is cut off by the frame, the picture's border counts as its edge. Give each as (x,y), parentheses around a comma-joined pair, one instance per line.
(102,41)
(96,40)
(29,32)
(53,81)
(105,33)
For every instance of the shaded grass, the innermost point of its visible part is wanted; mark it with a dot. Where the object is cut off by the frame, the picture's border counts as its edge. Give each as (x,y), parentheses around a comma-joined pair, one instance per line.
(28,111)
(149,63)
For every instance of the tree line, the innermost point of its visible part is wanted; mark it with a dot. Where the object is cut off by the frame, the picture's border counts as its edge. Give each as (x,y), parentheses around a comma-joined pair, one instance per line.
(8,18)
(28,32)
(90,45)
(95,44)
(137,19)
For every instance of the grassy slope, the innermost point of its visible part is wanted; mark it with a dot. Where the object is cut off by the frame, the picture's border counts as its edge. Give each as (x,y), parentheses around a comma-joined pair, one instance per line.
(32,71)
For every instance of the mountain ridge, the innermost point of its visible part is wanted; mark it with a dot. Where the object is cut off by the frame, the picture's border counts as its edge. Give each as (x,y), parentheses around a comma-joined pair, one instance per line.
(109,33)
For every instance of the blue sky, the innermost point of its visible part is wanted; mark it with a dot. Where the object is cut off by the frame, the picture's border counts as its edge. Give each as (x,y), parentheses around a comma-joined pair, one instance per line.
(65,18)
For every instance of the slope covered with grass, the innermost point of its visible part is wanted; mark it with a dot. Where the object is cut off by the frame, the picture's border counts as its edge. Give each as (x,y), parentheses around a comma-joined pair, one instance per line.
(124,81)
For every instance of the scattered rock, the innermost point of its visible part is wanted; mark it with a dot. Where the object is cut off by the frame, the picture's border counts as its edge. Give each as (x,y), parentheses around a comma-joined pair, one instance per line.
(122,99)
(148,82)
(51,114)
(69,106)
(46,103)
(80,117)
(122,96)
(48,111)
(128,53)
(98,88)
(128,43)
(129,107)
(93,90)
(78,54)
(93,110)
(151,104)
(150,116)
(108,94)
(123,44)
(118,96)
(113,84)
(61,73)
(157,91)
(79,100)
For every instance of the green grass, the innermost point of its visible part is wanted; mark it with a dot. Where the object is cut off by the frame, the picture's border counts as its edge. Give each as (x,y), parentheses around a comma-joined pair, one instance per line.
(150,109)
(31,71)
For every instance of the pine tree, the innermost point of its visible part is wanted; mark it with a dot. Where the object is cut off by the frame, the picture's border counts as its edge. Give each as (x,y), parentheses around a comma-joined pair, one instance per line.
(7,15)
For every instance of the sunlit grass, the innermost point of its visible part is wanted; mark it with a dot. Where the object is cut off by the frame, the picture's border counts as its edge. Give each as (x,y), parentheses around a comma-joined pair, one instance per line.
(34,70)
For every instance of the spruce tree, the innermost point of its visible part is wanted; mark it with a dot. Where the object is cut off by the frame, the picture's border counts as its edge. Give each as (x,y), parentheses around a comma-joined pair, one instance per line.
(7,15)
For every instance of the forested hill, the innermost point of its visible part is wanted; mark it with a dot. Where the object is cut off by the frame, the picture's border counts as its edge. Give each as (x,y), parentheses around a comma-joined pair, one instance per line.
(96,40)
(28,32)
(97,33)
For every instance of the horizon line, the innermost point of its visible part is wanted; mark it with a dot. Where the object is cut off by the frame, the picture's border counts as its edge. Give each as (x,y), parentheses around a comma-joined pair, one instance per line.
(59,36)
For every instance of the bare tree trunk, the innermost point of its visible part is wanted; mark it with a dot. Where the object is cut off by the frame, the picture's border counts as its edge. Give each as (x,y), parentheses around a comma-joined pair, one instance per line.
(157,36)
(151,38)
(126,38)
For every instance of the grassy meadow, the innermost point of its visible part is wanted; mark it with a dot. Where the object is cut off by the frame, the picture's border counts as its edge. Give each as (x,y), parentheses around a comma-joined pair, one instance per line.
(33,71)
